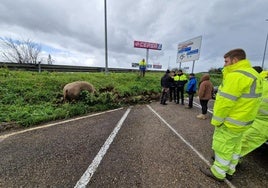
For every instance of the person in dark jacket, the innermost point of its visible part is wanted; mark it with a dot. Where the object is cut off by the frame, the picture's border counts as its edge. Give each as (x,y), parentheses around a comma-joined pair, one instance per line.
(191,89)
(165,84)
(172,93)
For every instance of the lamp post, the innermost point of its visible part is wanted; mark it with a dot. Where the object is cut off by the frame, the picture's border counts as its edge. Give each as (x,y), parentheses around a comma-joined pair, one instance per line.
(106,48)
(263,59)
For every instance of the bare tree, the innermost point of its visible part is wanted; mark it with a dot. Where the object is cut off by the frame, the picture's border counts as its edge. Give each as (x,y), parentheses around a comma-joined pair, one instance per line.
(20,51)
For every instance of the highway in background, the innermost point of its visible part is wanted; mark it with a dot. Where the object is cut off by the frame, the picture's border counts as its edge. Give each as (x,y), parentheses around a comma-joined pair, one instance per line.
(69,68)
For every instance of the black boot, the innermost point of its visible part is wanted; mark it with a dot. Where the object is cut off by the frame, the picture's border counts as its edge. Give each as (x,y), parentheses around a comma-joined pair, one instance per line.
(208,173)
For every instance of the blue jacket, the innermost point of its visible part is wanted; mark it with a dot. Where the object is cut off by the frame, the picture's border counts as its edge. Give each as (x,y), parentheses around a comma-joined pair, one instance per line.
(191,86)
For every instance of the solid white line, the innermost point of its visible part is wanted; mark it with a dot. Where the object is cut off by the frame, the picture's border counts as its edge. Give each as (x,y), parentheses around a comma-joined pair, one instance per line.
(187,143)
(95,163)
(53,124)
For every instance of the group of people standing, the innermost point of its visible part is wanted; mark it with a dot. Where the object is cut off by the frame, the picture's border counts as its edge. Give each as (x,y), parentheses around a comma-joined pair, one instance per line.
(173,88)
(240,112)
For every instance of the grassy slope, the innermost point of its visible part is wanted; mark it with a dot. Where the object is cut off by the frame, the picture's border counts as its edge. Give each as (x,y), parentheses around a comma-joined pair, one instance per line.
(29,98)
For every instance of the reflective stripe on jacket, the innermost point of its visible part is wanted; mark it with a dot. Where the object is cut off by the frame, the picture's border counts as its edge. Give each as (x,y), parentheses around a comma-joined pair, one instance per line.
(238,98)
(262,117)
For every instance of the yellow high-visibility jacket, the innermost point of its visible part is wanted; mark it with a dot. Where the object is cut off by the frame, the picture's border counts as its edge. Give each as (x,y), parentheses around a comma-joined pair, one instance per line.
(180,80)
(238,97)
(142,64)
(264,74)
(261,121)
(257,134)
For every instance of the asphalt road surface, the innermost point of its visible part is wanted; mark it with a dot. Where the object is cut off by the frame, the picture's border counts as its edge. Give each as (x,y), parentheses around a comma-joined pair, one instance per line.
(140,146)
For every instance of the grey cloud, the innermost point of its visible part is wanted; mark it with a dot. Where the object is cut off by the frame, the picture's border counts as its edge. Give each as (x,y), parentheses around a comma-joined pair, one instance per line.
(78,26)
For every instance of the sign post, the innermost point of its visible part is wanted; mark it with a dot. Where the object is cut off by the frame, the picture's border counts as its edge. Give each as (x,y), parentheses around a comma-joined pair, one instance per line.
(147,46)
(147,55)
(193,66)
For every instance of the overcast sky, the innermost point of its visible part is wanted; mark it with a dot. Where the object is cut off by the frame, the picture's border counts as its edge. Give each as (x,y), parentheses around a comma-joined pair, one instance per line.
(73,31)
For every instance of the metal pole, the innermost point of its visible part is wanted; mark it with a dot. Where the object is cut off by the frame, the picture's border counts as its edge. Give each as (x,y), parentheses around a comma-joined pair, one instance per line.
(193,67)
(263,59)
(147,56)
(39,67)
(106,48)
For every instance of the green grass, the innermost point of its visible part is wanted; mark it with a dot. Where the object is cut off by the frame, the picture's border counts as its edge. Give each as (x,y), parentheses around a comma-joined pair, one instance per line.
(31,98)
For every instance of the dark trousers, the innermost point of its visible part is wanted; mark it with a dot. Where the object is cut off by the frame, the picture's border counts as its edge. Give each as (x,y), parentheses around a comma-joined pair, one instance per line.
(191,99)
(180,94)
(204,105)
(164,94)
(142,73)
(172,94)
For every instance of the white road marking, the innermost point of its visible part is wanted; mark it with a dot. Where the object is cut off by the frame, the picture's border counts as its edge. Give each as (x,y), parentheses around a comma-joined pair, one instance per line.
(187,143)
(53,124)
(95,163)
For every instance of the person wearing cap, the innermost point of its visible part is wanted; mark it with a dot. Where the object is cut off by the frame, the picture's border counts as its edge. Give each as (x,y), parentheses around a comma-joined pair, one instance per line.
(172,91)
(165,84)
(235,108)
(191,89)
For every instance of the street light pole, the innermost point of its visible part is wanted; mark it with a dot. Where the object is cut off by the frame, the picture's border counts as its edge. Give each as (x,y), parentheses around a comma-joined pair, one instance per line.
(263,59)
(262,65)
(106,48)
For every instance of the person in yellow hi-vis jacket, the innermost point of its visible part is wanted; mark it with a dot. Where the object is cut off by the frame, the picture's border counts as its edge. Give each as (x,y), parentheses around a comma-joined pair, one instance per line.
(236,106)
(142,66)
(180,80)
(257,134)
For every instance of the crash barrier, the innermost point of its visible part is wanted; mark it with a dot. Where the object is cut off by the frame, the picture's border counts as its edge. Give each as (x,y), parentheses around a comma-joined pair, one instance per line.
(64,68)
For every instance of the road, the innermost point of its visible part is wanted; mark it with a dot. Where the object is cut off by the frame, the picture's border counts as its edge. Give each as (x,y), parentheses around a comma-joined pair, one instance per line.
(140,146)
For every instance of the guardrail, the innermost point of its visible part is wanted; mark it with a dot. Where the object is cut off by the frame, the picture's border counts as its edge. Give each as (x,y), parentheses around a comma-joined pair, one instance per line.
(63,68)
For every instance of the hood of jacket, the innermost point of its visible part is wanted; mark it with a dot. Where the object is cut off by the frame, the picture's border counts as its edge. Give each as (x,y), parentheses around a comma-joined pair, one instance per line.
(205,77)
